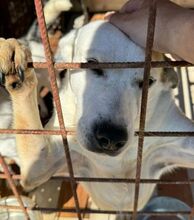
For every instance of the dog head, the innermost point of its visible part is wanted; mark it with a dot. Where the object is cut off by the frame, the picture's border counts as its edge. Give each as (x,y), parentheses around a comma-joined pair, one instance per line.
(107,101)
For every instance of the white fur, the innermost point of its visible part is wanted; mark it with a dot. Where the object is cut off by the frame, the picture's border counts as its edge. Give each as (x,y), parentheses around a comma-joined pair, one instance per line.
(7,142)
(54,7)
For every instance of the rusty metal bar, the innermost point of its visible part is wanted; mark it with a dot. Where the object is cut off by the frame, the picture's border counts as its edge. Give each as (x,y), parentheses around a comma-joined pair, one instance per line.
(64,132)
(55,91)
(35,132)
(191,214)
(167,133)
(147,68)
(110,65)
(98,211)
(49,60)
(13,187)
(71,131)
(111,180)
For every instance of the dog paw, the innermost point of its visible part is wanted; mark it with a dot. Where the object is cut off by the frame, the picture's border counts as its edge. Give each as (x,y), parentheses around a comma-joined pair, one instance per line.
(14,74)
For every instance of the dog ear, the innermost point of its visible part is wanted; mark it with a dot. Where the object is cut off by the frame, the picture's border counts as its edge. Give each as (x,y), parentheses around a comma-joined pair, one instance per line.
(169,76)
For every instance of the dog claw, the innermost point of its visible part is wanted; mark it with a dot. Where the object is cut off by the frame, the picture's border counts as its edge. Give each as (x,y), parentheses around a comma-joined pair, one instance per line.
(21,74)
(2,78)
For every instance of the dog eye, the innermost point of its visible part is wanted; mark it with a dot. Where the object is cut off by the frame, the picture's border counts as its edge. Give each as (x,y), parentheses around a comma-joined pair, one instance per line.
(151,82)
(98,72)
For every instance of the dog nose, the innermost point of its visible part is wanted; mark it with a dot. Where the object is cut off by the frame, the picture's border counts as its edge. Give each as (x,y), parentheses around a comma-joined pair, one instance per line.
(110,137)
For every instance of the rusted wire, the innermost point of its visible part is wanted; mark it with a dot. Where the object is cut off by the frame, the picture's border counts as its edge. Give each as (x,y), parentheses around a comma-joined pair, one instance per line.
(98,211)
(55,91)
(147,68)
(111,180)
(71,131)
(51,66)
(110,65)
(167,133)
(35,132)
(191,214)
(13,187)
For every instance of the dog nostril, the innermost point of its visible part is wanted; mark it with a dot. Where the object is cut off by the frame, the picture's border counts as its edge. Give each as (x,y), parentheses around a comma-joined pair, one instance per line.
(110,136)
(104,142)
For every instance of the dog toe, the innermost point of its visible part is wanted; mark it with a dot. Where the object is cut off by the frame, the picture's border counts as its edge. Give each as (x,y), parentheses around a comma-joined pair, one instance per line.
(13,66)
(19,54)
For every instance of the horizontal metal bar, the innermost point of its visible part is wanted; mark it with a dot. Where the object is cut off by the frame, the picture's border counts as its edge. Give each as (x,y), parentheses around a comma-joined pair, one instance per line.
(114,180)
(110,65)
(131,180)
(167,133)
(35,132)
(71,131)
(98,211)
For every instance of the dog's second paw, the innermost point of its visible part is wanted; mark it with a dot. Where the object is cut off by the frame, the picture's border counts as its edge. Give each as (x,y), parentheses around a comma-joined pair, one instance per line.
(14,74)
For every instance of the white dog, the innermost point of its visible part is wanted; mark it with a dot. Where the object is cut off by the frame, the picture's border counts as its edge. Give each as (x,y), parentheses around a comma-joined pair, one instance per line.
(104,106)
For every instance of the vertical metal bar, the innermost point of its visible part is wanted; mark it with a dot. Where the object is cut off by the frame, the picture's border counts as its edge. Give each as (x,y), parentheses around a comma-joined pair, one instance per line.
(147,68)
(52,76)
(191,214)
(189,92)
(180,95)
(13,187)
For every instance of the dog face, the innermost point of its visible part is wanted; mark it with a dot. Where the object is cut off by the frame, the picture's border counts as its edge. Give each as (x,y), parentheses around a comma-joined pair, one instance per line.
(107,100)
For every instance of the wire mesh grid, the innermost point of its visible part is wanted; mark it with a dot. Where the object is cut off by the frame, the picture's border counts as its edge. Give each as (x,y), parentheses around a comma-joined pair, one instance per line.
(63,131)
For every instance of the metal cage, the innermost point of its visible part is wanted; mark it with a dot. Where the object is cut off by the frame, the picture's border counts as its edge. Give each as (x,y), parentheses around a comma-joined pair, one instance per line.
(63,131)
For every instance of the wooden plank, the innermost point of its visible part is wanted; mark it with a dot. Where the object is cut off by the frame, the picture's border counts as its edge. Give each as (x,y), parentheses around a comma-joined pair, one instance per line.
(181,192)
(185,3)
(83,202)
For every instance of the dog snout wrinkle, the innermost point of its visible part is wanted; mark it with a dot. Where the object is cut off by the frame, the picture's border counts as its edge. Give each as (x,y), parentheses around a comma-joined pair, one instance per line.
(110,137)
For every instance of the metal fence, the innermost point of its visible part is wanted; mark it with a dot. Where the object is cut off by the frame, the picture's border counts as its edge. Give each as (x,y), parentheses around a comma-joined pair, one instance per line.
(63,131)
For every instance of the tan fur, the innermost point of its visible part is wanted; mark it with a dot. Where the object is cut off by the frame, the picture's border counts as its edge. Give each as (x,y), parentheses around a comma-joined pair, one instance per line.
(26,93)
